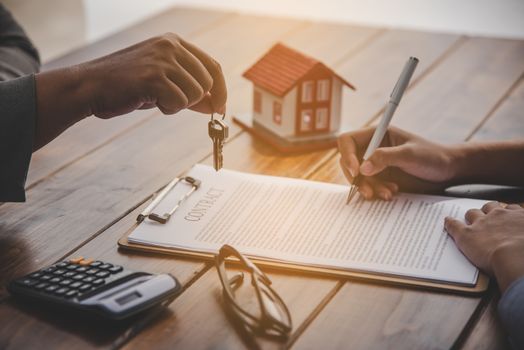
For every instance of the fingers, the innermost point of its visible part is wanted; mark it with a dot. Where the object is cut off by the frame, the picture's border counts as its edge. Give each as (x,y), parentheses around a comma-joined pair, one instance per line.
(350,166)
(488,207)
(514,207)
(171,98)
(204,105)
(191,88)
(346,172)
(473,215)
(369,188)
(383,158)
(383,192)
(366,190)
(218,91)
(373,188)
(455,228)
(195,68)
(350,145)
(196,79)
(198,71)
(393,187)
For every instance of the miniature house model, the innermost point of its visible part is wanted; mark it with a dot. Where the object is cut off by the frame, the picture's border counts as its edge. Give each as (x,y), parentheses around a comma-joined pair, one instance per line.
(296,99)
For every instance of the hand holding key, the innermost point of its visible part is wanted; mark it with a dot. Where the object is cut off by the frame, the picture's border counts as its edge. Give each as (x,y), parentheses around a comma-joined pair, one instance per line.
(218,132)
(165,72)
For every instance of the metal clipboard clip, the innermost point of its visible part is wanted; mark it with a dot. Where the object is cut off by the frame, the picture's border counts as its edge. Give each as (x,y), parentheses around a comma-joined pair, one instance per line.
(147,213)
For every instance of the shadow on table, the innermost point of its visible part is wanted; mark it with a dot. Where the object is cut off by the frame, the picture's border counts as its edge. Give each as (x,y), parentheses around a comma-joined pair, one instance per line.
(62,323)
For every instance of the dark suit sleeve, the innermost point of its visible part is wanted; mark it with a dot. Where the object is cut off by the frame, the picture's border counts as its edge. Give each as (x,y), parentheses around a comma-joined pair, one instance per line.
(18,62)
(511,313)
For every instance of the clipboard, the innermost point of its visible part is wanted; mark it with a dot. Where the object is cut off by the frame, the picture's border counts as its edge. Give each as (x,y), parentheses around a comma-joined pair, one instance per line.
(480,287)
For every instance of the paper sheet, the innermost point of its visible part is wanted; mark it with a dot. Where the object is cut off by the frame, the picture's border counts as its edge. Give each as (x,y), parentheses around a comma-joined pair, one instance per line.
(306,222)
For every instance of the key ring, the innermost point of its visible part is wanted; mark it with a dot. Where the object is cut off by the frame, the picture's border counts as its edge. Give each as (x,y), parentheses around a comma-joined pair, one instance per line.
(223,115)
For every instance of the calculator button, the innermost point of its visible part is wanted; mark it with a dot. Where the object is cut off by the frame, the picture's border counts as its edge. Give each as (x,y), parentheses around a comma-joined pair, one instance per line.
(72,267)
(50,269)
(41,285)
(61,291)
(81,269)
(59,272)
(51,288)
(55,279)
(102,274)
(105,266)
(115,269)
(92,271)
(89,279)
(76,260)
(96,263)
(79,276)
(62,264)
(86,262)
(28,282)
(69,274)
(98,282)
(66,282)
(75,284)
(85,287)
(46,277)
(71,293)
(36,275)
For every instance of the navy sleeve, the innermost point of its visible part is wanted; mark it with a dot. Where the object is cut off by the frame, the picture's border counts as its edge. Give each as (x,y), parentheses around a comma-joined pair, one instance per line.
(18,61)
(511,313)
(17,130)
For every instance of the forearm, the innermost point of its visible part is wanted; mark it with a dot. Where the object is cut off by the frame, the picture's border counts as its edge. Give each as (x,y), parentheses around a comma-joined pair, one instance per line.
(499,163)
(63,97)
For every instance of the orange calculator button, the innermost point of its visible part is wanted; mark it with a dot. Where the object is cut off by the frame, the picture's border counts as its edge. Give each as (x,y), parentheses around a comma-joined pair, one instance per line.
(86,262)
(76,260)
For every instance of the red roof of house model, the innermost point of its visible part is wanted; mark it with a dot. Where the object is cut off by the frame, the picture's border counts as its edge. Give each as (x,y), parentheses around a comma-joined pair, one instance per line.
(281,68)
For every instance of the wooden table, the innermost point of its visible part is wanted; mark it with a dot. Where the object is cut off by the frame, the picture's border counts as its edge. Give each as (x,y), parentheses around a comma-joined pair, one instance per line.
(86,187)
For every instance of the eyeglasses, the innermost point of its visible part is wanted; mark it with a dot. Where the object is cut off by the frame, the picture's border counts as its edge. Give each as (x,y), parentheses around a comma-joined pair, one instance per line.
(273,317)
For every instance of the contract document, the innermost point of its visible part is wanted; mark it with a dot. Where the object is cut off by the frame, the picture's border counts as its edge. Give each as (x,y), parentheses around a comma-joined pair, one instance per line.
(308,223)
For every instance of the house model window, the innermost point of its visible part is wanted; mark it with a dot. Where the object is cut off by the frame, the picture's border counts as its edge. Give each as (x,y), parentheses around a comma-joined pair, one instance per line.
(323,90)
(307,91)
(322,119)
(257,101)
(277,112)
(306,120)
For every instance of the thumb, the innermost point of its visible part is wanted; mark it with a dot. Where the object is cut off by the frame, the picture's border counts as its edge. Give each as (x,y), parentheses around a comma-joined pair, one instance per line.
(383,158)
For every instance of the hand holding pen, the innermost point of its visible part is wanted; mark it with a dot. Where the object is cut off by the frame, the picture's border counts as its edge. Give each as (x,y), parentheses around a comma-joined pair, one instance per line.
(381,129)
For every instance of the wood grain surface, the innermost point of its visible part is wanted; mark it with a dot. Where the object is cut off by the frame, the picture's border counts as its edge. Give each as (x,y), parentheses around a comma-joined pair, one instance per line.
(87,186)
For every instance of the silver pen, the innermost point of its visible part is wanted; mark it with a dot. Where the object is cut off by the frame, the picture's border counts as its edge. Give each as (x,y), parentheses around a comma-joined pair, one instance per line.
(382,127)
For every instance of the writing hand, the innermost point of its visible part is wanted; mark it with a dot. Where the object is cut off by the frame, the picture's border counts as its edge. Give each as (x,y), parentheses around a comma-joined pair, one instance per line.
(493,240)
(403,162)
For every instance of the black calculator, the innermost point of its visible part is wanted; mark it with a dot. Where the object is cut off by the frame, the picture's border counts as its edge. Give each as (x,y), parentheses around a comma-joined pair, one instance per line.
(97,286)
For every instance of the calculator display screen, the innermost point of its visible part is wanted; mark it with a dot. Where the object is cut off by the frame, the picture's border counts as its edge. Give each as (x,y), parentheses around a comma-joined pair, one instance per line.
(128,298)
